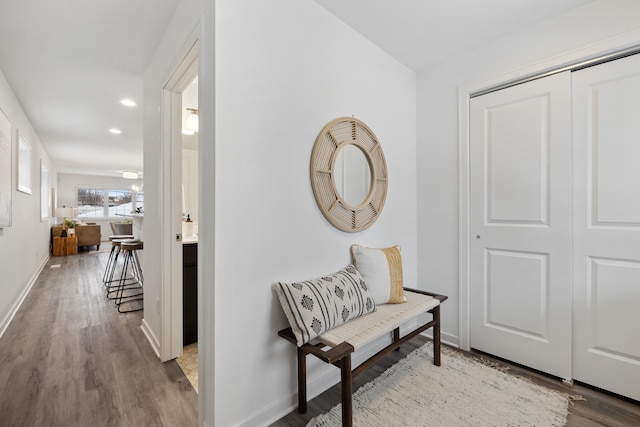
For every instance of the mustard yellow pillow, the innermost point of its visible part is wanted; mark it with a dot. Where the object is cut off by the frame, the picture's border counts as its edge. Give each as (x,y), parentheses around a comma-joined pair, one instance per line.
(381,270)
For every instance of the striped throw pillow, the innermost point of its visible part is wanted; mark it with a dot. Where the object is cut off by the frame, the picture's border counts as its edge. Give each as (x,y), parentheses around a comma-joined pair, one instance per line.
(315,306)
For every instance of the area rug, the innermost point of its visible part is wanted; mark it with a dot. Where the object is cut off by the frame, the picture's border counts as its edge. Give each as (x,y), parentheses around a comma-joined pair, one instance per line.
(461,392)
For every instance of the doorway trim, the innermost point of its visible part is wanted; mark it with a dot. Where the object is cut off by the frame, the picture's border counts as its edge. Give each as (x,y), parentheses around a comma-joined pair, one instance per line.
(171,293)
(593,53)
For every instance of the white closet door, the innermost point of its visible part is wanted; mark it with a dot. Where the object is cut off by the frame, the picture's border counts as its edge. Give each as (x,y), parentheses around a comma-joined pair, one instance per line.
(520,223)
(606,132)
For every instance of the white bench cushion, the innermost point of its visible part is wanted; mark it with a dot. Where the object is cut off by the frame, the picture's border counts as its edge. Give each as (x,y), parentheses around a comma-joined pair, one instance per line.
(368,328)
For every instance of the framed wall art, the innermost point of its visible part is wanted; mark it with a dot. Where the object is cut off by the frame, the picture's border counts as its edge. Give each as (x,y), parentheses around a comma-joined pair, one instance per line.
(24,164)
(45,201)
(53,202)
(5,171)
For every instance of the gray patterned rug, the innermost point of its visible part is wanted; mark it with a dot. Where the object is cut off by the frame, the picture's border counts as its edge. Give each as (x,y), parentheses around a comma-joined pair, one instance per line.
(461,392)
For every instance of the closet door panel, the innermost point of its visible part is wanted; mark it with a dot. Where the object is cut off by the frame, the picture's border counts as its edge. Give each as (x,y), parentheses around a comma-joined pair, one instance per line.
(606,224)
(520,286)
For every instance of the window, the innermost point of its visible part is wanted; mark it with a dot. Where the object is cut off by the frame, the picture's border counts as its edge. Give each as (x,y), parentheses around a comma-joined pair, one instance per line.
(107,203)
(120,202)
(140,201)
(90,203)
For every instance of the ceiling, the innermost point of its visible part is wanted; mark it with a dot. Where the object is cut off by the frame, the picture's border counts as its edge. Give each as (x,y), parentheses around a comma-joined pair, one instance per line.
(70,63)
(420,33)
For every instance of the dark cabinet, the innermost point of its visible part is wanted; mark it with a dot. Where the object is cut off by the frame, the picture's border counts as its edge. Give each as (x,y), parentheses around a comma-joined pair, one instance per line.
(190,293)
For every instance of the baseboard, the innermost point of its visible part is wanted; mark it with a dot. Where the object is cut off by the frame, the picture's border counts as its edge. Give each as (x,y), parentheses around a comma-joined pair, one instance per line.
(271,413)
(317,385)
(16,306)
(448,339)
(330,377)
(155,344)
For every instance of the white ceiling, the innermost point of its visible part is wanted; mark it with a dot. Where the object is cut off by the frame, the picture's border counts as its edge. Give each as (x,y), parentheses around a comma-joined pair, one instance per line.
(420,33)
(71,62)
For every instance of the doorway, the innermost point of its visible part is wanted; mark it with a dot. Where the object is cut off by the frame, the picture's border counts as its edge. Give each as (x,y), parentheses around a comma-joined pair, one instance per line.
(180,189)
(188,361)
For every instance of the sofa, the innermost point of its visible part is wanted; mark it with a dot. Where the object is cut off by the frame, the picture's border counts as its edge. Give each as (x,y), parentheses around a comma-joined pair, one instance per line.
(87,235)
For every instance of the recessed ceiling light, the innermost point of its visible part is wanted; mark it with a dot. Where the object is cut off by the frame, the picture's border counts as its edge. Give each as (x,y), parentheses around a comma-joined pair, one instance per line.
(130,174)
(115,131)
(128,102)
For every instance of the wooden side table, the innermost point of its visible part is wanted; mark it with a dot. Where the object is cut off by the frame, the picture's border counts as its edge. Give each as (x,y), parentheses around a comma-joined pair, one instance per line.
(63,246)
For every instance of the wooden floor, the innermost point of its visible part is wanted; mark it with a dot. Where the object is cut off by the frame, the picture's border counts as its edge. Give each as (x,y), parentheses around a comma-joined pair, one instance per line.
(69,358)
(599,409)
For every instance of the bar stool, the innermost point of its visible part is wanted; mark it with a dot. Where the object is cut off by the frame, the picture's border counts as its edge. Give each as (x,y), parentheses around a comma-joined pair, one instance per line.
(112,284)
(113,253)
(132,261)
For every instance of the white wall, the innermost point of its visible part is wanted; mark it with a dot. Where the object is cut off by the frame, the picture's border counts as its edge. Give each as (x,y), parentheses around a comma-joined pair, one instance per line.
(551,42)
(168,55)
(68,183)
(24,246)
(285,68)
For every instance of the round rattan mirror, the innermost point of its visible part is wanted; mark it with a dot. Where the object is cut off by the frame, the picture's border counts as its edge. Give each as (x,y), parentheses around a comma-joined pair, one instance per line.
(336,135)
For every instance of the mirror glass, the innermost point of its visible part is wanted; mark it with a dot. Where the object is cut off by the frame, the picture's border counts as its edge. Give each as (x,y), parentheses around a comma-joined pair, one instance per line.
(352,175)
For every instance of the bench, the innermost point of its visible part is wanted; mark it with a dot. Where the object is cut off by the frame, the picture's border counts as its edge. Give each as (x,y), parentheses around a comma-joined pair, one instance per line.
(336,345)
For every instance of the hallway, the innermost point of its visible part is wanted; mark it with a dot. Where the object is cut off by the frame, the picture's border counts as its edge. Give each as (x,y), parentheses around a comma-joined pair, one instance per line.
(69,359)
